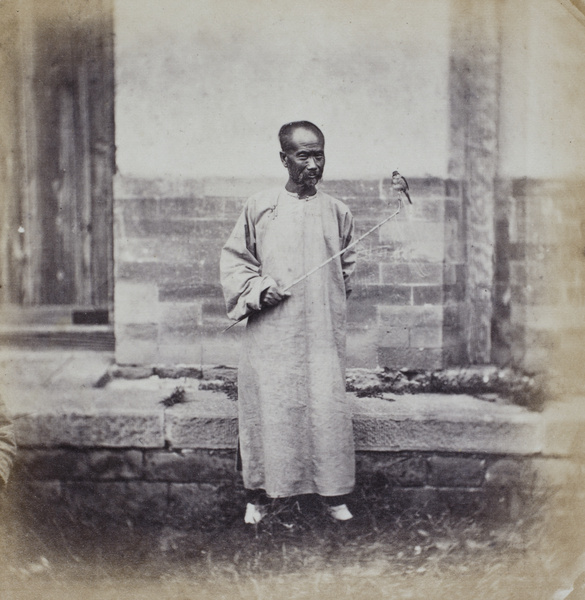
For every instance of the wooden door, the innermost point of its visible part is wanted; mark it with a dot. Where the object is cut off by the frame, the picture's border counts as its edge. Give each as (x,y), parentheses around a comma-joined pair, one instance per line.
(63,213)
(74,69)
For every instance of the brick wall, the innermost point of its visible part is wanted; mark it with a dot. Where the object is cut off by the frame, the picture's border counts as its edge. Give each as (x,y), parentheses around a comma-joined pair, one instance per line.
(168,302)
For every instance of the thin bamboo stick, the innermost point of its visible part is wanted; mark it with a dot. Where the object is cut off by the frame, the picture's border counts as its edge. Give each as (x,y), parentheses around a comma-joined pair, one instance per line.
(325,262)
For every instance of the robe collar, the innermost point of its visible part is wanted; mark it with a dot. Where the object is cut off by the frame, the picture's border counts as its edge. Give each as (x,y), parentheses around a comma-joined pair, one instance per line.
(296,196)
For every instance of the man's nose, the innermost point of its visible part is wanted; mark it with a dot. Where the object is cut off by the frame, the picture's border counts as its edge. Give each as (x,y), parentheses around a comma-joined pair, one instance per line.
(311,163)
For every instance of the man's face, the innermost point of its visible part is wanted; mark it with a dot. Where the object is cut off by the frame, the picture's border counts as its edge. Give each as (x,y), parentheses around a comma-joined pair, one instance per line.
(304,158)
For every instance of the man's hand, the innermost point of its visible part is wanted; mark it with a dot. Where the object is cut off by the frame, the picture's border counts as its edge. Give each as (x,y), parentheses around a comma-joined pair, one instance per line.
(272,296)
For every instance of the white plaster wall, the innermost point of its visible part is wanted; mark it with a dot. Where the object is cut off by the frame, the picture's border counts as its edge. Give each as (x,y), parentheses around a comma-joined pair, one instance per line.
(202,86)
(542,111)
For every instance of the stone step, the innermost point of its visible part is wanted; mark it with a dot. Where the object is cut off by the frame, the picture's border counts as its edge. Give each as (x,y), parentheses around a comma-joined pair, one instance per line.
(132,415)
(88,337)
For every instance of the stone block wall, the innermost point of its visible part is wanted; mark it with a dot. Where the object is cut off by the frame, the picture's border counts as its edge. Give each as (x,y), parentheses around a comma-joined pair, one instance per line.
(195,486)
(119,453)
(410,306)
(395,314)
(539,292)
(168,303)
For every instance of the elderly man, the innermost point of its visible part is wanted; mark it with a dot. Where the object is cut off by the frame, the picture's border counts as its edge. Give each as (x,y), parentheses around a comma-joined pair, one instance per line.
(295,425)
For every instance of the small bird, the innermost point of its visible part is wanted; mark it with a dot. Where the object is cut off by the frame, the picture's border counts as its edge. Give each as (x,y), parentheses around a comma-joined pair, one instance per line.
(400,184)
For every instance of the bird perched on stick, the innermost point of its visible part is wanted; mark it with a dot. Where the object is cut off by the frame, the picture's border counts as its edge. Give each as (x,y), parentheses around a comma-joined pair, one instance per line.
(400,184)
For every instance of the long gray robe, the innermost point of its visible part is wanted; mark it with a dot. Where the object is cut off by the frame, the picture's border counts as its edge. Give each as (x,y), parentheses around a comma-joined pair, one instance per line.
(7,444)
(295,423)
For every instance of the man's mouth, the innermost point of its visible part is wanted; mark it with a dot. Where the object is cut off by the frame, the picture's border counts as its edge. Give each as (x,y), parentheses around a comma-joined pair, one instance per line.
(305,178)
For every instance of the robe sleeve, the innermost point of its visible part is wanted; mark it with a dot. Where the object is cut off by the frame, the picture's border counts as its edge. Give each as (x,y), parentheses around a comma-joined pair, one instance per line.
(240,271)
(348,258)
(7,444)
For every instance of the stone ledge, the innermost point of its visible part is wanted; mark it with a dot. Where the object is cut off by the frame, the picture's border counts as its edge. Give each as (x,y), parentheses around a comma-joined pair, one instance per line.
(445,423)
(135,418)
(86,418)
(127,428)
(202,424)
(88,337)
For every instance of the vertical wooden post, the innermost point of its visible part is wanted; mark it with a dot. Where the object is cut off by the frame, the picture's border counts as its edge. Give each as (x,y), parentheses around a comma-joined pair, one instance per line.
(101,82)
(28,263)
(9,217)
(474,88)
(84,212)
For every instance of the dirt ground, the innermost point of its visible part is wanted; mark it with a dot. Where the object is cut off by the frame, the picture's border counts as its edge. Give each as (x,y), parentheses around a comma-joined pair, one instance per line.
(296,552)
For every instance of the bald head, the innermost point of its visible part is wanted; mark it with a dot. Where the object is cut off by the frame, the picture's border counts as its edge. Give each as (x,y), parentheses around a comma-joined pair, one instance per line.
(287,130)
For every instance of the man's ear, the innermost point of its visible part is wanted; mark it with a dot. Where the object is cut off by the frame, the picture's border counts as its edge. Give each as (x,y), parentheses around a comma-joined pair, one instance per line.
(283,159)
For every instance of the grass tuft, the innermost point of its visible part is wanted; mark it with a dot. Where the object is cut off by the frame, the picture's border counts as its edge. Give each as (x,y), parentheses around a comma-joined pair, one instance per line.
(177,397)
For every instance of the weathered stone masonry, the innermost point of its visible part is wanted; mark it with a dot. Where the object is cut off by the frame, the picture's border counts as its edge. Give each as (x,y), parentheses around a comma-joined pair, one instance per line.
(158,486)
(410,305)
(169,306)
(430,453)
